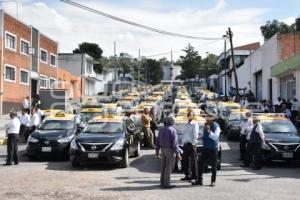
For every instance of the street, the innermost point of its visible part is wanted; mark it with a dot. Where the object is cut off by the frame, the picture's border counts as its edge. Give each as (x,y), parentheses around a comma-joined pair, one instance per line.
(56,179)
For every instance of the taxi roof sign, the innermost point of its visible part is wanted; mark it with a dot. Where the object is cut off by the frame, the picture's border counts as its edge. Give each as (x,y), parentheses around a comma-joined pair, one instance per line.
(91,110)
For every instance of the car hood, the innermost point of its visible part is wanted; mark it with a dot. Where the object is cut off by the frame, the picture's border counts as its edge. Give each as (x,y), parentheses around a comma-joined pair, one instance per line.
(50,134)
(282,138)
(98,138)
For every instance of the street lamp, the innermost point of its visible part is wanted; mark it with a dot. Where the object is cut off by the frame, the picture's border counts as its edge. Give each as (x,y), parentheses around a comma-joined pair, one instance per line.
(225,38)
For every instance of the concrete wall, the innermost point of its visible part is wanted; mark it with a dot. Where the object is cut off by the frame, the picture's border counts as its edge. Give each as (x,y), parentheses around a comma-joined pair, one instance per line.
(71,63)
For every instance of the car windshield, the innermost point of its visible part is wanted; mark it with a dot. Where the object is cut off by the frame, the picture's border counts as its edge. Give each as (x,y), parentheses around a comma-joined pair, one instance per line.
(181,128)
(104,127)
(278,127)
(87,116)
(236,117)
(57,125)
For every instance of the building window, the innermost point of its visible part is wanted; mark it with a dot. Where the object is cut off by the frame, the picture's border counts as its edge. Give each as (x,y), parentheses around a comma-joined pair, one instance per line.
(24,47)
(89,68)
(10,73)
(44,56)
(52,83)
(24,77)
(288,87)
(43,82)
(52,60)
(10,41)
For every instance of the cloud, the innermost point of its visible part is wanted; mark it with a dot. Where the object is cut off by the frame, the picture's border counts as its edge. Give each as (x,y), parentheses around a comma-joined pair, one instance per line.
(69,25)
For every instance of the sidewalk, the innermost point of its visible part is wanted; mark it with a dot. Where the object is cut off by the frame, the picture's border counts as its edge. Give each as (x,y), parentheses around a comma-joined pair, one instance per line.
(3,120)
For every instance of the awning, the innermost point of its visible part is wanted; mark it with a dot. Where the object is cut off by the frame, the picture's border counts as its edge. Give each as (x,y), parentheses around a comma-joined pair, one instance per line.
(287,65)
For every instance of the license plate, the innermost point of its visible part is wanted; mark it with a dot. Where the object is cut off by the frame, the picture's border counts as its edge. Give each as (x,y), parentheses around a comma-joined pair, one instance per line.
(93,155)
(287,155)
(46,149)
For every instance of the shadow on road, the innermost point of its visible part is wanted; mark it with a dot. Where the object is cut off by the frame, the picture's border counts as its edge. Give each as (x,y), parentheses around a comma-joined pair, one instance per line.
(147,163)
(141,188)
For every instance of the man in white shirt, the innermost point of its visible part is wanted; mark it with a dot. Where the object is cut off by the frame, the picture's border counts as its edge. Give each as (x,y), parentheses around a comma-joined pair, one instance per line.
(12,130)
(256,139)
(34,122)
(40,113)
(189,140)
(246,127)
(26,105)
(25,120)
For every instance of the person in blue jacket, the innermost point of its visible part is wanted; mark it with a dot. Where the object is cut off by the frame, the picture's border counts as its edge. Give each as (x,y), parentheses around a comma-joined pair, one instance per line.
(210,150)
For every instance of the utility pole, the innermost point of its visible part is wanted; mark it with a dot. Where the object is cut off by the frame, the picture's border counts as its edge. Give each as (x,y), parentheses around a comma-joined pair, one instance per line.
(225,63)
(81,75)
(115,63)
(139,67)
(233,64)
(171,68)
(206,71)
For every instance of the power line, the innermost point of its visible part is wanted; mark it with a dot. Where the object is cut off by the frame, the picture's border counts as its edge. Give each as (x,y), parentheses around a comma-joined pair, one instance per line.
(134,23)
(179,50)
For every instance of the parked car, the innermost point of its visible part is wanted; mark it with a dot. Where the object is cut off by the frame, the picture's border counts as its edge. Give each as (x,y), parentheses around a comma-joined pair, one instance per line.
(106,139)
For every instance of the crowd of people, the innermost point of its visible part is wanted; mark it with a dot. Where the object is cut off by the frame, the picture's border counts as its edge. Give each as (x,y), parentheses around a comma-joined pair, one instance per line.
(20,127)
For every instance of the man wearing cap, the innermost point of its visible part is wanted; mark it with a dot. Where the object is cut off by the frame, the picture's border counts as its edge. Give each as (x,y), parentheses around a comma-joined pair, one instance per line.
(210,150)
(12,130)
(189,140)
(167,143)
(256,138)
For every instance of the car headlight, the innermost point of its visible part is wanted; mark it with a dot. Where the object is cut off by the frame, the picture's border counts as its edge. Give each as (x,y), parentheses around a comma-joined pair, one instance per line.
(73,145)
(65,140)
(265,146)
(32,139)
(118,145)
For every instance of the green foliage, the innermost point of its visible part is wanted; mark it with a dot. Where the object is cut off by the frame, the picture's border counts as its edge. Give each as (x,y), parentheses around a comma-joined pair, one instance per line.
(273,27)
(151,71)
(93,50)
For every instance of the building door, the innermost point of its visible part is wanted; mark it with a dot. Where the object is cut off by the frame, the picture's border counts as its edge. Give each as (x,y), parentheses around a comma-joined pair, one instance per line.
(34,87)
(258,84)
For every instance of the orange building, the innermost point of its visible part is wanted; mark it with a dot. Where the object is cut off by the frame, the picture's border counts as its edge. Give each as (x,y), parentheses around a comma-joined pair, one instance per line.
(71,83)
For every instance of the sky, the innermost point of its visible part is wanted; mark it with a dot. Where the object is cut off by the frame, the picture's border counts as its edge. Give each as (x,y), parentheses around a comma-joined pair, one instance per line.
(70,26)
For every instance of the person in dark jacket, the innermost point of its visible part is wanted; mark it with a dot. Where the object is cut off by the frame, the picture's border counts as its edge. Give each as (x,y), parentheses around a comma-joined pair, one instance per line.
(256,140)
(210,150)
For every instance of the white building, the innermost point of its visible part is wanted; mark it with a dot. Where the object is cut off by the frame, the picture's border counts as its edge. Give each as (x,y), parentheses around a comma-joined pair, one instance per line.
(225,65)
(265,73)
(80,65)
(167,72)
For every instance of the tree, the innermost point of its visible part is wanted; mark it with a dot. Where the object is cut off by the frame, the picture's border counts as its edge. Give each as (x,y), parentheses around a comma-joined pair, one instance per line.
(126,65)
(190,64)
(152,71)
(273,27)
(93,50)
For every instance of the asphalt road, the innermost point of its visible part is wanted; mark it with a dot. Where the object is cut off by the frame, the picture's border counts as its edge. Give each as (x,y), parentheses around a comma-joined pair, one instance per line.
(56,179)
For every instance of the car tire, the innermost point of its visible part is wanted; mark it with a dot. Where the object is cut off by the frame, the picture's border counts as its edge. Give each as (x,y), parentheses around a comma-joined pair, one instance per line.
(137,152)
(75,163)
(125,163)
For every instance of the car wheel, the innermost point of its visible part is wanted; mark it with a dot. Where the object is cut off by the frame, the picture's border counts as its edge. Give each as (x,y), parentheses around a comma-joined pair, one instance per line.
(138,149)
(75,163)
(126,159)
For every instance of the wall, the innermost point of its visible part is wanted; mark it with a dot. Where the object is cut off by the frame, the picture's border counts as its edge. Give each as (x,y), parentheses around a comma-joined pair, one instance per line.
(69,78)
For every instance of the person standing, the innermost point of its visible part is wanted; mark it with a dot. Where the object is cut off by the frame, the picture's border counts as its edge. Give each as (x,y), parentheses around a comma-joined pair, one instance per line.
(256,138)
(26,106)
(246,126)
(25,120)
(167,143)
(189,140)
(12,130)
(210,150)
(34,122)
(145,120)
(294,110)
